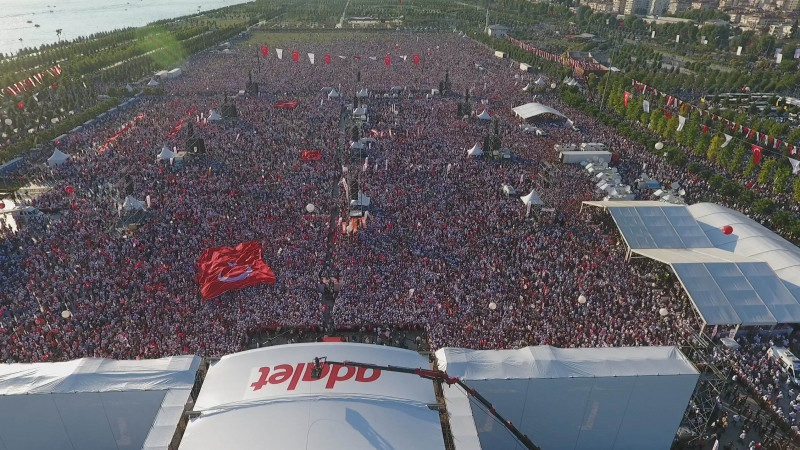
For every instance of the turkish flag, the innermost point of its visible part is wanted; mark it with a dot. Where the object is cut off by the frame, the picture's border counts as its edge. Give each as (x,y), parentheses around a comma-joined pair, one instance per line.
(627,98)
(221,269)
(264,50)
(296,56)
(387,60)
(327,59)
(415,58)
(704,128)
(756,153)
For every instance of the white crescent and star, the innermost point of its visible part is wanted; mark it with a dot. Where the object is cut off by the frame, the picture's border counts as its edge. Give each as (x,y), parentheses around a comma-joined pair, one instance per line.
(239,277)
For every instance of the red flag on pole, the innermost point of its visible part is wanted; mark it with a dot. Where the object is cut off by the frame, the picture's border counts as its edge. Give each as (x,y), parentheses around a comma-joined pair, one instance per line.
(264,50)
(296,56)
(21,105)
(627,98)
(327,59)
(756,153)
(310,155)
(704,128)
(387,60)
(221,269)
(415,58)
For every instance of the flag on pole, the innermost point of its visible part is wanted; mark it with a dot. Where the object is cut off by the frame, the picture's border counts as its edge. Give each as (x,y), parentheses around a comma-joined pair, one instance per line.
(626,98)
(645,106)
(415,59)
(311,57)
(279,52)
(264,50)
(366,164)
(387,60)
(327,59)
(681,123)
(295,56)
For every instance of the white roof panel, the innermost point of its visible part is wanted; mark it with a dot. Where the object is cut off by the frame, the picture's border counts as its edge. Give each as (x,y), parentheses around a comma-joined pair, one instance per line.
(529,110)
(659,227)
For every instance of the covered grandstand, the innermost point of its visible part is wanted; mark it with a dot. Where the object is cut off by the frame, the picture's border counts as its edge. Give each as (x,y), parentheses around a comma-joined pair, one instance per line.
(589,398)
(746,278)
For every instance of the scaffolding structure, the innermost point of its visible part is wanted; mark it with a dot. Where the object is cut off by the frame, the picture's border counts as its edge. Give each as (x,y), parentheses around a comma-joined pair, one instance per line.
(714,372)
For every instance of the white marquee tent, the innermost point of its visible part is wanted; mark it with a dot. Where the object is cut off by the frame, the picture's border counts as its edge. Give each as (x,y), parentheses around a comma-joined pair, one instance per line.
(532,199)
(94,404)
(484,115)
(166,153)
(152,82)
(213,115)
(57,158)
(529,110)
(333,94)
(475,151)
(131,204)
(268,398)
(589,398)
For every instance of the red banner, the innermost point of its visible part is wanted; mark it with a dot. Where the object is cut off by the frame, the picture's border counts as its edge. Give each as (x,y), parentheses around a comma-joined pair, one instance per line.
(296,56)
(264,50)
(415,58)
(287,104)
(221,269)
(327,59)
(310,155)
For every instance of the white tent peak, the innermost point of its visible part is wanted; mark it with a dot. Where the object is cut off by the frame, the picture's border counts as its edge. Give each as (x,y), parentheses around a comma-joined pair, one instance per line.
(363,93)
(213,115)
(532,199)
(57,158)
(476,150)
(152,82)
(484,115)
(133,204)
(166,153)
(333,93)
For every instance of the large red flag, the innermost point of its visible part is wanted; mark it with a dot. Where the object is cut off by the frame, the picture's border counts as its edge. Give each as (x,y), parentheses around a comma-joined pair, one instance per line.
(221,269)
(627,98)
(415,58)
(296,56)
(310,155)
(264,50)
(387,60)
(327,59)
(756,153)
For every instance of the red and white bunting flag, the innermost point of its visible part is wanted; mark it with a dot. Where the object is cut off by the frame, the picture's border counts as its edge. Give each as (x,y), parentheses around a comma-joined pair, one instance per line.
(792,150)
(311,58)
(777,143)
(57,69)
(279,52)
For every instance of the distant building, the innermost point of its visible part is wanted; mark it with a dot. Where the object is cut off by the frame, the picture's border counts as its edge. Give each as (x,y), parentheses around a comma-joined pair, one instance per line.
(498,31)
(599,6)
(678,5)
(657,7)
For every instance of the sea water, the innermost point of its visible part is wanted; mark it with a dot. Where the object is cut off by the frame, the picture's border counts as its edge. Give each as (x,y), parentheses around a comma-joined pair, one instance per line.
(77,18)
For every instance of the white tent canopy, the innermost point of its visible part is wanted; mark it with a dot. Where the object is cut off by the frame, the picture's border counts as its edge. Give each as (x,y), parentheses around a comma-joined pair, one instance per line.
(152,82)
(94,404)
(166,153)
(475,151)
(333,94)
(133,204)
(363,93)
(213,115)
(541,82)
(532,199)
(269,395)
(484,115)
(529,110)
(357,145)
(57,158)
(363,200)
(597,398)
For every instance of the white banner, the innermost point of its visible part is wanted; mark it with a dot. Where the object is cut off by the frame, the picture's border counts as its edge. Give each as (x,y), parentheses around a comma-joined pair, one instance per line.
(739,51)
(779,58)
(728,138)
(681,123)
(653,34)
(311,57)
(795,165)
(646,106)
(279,51)
(677,38)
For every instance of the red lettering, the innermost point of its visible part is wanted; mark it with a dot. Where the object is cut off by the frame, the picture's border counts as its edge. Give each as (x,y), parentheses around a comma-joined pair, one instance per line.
(296,376)
(262,380)
(361,378)
(281,373)
(334,377)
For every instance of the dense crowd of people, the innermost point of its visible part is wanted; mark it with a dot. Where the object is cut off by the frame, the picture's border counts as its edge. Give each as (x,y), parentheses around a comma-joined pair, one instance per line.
(444,248)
